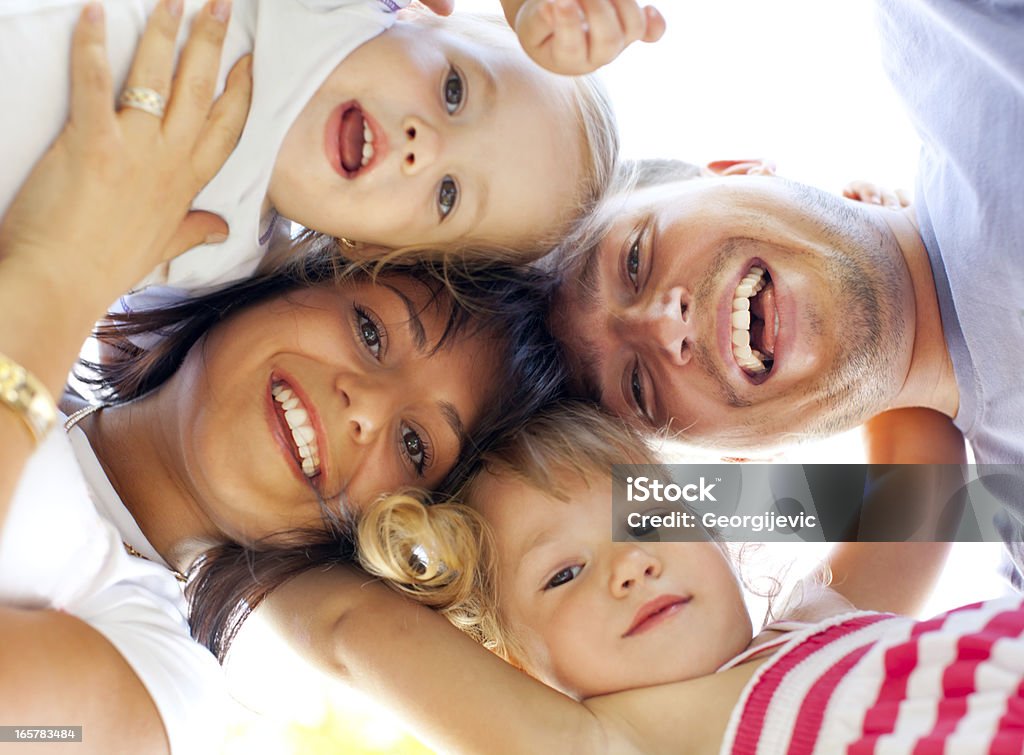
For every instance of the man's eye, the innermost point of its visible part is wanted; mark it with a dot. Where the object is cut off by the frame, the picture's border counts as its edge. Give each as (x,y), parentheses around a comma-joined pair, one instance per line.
(414,447)
(447,196)
(369,332)
(453,91)
(565,575)
(633,263)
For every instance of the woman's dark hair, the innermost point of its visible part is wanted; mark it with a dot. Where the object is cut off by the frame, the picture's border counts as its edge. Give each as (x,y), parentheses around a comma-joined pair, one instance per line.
(505,303)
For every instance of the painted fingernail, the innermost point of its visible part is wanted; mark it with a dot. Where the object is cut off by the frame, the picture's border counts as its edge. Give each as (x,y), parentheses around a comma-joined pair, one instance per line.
(94,13)
(216,238)
(221,10)
(175,7)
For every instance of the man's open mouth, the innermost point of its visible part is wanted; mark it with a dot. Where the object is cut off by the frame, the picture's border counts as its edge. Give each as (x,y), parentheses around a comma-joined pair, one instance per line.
(356,148)
(755,323)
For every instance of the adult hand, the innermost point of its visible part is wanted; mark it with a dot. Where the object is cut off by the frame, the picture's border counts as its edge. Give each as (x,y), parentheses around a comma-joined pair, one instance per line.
(110,199)
(575,37)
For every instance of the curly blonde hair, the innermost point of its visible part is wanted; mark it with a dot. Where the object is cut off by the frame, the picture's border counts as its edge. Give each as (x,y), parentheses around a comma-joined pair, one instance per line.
(443,555)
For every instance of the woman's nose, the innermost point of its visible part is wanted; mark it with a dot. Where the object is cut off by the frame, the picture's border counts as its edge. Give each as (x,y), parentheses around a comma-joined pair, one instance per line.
(366,413)
(422,146)
(632,566)
(662,322)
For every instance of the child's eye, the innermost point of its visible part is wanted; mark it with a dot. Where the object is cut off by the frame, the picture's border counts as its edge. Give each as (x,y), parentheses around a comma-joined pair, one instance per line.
(567,574)
(415,448)
(372,334)
(636,387)
(453,91)
(447,196)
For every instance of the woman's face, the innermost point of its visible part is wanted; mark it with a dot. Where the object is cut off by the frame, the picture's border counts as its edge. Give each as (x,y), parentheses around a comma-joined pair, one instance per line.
(332,391)
(597,616)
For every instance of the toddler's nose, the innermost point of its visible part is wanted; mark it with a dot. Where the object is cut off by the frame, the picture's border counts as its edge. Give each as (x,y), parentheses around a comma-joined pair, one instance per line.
(422,146)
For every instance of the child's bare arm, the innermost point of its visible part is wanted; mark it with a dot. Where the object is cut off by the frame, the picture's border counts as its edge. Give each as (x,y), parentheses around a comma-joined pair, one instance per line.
(575,37)
(871,193)
(899,576)
(458,696)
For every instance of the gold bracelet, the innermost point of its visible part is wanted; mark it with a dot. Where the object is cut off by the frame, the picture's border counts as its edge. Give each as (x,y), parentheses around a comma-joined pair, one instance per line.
(21,391)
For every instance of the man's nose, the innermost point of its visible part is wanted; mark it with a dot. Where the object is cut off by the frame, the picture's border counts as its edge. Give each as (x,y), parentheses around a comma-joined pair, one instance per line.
(663,322)
(422,146)
(632,566)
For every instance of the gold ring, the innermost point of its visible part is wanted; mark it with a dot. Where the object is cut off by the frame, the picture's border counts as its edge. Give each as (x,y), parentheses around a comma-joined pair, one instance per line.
(144,99)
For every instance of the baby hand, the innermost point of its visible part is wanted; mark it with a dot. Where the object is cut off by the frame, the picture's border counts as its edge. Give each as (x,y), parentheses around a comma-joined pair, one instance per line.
(870,193)
(575,37)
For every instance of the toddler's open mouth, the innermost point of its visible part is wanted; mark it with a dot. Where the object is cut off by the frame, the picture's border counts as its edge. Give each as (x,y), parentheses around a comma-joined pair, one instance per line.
(354,142)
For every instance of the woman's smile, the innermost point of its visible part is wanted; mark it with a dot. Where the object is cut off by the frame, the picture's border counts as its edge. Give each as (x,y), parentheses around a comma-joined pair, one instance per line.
(296,425)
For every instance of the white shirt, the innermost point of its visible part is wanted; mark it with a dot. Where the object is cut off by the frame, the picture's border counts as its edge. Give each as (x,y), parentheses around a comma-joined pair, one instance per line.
(60,550)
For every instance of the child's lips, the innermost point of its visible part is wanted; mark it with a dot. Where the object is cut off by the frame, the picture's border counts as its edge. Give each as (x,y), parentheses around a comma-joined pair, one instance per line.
(353,140)
(654,612)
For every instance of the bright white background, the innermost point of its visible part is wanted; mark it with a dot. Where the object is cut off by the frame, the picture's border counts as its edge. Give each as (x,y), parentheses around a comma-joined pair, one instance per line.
(797,81)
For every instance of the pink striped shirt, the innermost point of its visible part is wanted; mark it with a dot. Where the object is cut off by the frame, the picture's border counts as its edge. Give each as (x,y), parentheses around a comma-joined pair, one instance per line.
(877,684)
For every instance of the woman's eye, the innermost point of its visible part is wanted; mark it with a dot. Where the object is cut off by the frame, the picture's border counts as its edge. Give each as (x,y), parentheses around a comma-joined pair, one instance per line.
(565,575)
(369,333)
(453,91)
(633,263)
(447,196)
(415,449)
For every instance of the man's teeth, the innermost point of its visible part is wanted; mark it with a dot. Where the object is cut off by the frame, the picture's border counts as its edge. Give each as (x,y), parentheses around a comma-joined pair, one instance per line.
(303,434)
(367,144)
(749,359)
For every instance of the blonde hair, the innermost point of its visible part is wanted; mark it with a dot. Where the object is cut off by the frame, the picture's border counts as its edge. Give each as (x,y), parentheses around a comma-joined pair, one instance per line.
(443,555)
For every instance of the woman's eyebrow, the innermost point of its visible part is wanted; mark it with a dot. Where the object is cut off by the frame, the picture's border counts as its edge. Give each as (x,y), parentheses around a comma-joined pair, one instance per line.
(451,416)
(415,324)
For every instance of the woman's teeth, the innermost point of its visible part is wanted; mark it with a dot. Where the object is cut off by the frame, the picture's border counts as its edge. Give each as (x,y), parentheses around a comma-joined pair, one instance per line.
(303,434)
(751,360)
(367,144)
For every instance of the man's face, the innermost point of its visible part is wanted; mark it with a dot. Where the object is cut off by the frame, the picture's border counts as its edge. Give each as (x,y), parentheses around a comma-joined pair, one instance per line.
(740,311)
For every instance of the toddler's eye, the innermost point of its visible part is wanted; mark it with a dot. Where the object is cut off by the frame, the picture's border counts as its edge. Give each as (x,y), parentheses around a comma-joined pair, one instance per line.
(453,91)
(447,196)
(565,575)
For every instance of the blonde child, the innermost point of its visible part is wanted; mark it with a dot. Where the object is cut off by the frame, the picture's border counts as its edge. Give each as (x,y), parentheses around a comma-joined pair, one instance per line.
(648,644)
(387,127)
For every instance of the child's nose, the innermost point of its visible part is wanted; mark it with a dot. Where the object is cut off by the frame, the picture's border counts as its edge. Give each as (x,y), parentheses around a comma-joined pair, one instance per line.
(422,146)
(631,567)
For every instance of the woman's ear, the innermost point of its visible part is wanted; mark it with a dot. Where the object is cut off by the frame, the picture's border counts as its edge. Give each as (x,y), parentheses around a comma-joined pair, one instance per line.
(756,167)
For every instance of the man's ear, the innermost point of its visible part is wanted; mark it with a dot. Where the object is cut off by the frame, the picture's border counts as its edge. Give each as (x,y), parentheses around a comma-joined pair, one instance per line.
(739,168)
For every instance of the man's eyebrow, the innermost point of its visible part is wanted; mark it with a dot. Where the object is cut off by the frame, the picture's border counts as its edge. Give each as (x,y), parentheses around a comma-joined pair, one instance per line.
(451,416)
